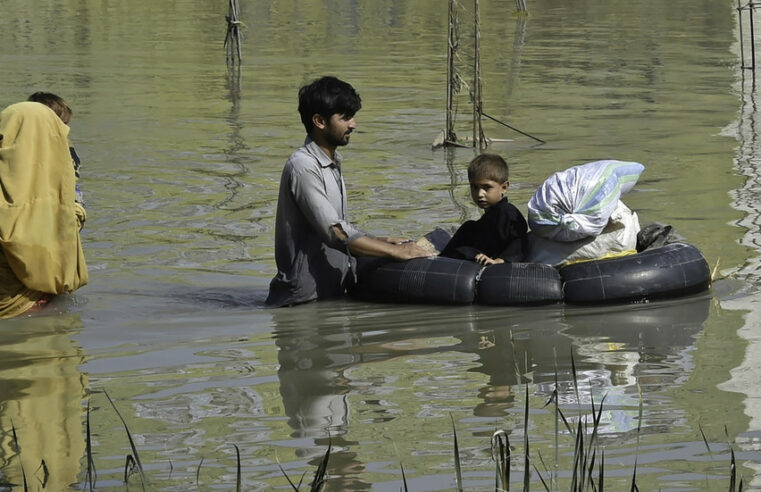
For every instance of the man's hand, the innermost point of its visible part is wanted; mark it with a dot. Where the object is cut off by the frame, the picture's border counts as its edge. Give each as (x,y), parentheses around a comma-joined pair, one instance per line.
(409,250)
(368,246)
(395,240)
(485,260)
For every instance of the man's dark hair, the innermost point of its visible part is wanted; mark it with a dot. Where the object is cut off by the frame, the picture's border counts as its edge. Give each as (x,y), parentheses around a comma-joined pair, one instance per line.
(327,96)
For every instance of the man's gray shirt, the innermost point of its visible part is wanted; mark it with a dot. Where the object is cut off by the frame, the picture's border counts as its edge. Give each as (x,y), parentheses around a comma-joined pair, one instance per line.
(312,262)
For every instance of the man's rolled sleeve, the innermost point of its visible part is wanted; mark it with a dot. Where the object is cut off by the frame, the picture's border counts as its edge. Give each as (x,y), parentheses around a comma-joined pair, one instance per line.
(352,233)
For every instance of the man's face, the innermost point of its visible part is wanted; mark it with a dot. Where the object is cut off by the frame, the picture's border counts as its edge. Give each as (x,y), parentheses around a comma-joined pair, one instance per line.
(338,129)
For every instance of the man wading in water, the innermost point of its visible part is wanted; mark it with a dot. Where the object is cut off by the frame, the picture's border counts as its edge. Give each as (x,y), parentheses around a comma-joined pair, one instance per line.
(314,242)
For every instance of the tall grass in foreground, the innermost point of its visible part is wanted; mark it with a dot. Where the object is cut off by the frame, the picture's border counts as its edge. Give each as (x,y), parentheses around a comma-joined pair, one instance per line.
(588,462)
(588,469)
(586,475)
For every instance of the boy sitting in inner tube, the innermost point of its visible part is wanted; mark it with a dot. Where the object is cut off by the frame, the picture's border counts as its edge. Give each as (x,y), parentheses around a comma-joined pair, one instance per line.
(500,235)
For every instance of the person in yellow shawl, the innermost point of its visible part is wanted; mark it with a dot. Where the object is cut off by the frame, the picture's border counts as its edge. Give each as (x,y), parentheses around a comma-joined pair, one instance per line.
(39,219)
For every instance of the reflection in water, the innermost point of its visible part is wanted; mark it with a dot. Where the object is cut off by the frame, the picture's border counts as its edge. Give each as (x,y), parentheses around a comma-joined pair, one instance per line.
(745,377)
(312,383)
(42,394)
(313,357)
(505,354)
(235,152)
(324,353)
(454,183)
(748,164)
(612,339)
(614,349)
(176,209)
(519,41)
(623,350)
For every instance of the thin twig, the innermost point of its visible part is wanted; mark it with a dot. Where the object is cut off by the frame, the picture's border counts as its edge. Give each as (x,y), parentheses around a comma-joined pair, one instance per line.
(513,128)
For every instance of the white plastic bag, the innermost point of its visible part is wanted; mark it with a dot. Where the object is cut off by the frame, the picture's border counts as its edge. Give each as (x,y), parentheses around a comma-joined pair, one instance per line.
(617,238)
(577,203)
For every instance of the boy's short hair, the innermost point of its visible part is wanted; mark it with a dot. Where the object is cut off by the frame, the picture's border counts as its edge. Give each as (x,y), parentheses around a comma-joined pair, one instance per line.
(56,103)
(489,166)
(327,96)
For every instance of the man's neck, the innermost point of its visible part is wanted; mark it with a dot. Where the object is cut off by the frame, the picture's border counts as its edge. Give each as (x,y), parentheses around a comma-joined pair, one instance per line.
(330,150)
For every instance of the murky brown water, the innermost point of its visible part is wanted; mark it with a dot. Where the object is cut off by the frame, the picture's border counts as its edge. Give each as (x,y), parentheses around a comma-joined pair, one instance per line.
(181,162)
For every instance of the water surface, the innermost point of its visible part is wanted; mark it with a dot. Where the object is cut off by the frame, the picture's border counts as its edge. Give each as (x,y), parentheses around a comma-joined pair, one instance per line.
(181,162)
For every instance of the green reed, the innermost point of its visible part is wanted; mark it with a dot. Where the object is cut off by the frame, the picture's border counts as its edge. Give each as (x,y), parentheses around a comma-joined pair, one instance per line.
(587,472)
(588,461)
(132,461)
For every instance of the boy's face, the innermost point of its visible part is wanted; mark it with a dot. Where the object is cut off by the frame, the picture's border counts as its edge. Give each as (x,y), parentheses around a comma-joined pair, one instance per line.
(487,193)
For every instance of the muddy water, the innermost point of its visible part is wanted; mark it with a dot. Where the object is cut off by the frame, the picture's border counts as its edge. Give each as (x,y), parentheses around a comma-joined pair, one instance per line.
(181,161)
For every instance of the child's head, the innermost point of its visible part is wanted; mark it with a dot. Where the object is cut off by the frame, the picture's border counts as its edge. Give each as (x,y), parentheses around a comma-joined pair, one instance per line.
(489,179)
(56,103)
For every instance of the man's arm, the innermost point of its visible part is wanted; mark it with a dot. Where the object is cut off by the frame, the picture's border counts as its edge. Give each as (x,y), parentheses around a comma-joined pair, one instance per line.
(310,194)
(369,246)
(307,188)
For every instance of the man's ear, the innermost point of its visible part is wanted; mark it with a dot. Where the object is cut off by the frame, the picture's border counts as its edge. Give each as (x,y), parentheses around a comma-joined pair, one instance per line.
(505,187)
(319,121)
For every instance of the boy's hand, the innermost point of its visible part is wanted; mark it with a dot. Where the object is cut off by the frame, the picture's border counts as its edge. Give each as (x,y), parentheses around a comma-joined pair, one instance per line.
(485,260)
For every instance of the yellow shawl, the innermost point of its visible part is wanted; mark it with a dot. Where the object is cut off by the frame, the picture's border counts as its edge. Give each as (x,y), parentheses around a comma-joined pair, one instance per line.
(39,232)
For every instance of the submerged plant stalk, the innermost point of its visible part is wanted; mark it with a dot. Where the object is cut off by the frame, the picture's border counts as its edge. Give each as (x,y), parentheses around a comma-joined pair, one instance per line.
(135,455)
(457,469)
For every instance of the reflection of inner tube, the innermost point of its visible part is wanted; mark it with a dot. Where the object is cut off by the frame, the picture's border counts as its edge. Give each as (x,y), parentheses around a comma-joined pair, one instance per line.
(673,270)
(655,328)
(442,280)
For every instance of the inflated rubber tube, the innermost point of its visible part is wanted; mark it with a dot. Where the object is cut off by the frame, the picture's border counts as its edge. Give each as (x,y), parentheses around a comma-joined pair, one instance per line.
(435,280)
(513,284)
(673,270)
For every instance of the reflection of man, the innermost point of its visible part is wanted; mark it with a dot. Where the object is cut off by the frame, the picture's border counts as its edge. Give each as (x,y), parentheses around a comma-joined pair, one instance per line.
(314,242)
(313,358)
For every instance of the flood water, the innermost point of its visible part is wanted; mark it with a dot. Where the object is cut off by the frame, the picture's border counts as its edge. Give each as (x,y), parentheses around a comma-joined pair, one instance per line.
(181,163)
